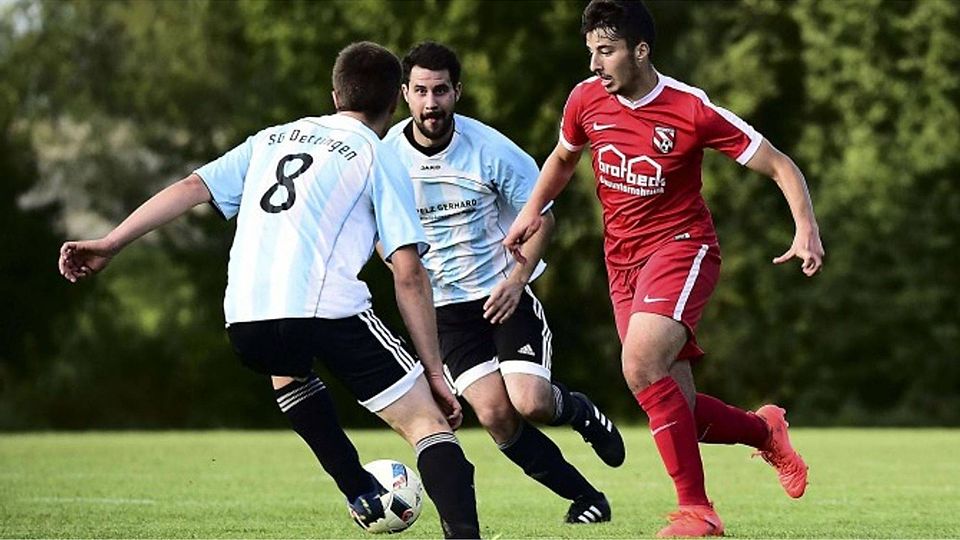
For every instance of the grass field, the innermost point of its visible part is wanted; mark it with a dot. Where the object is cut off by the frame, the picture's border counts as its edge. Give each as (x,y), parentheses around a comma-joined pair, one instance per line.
(228,484)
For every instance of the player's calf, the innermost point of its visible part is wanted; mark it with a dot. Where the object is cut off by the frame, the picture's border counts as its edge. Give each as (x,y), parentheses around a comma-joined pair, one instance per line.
(308,406)
(541,459)
(448,479)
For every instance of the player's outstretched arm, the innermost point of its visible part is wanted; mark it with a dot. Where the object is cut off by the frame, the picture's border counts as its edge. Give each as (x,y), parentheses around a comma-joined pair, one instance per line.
(554,176)
(505,296)
(81,259)
(806,244)
(415,301)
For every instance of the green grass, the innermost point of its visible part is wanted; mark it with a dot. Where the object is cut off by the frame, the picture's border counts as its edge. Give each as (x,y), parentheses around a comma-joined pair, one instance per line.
(227,484)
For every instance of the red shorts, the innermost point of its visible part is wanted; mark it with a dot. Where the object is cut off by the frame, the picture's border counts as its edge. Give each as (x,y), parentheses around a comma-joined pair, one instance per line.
(676,282)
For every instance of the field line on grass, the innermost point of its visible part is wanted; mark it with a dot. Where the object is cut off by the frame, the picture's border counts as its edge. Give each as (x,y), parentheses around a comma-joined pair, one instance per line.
(89,500)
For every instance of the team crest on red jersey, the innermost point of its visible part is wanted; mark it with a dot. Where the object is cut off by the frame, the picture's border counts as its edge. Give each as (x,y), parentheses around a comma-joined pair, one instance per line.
(664,138)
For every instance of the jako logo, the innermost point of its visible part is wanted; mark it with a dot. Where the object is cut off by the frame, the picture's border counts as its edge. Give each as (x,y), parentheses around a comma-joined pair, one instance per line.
(638,175)
(430,167)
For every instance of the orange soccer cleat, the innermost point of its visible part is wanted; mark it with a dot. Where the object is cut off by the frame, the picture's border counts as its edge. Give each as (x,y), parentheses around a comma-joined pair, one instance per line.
(779,453)
(692,521)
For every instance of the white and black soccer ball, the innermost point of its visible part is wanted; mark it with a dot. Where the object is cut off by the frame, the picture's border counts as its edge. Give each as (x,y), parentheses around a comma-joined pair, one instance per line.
(403,497)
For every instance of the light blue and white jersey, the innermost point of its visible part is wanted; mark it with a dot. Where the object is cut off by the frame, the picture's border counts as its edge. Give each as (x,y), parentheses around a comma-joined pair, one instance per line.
(311,197)
(468,196)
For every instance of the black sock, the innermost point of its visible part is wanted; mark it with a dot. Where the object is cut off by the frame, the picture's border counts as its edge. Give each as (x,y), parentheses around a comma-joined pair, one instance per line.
(568,409)
(308,406)
(541,459)
(448,478)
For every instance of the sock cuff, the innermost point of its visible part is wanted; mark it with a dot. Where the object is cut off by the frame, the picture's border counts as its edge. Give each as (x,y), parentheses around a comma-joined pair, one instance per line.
(443,437)
(558,402)
(513,440)
(567,408)
(656,392)
(297,391)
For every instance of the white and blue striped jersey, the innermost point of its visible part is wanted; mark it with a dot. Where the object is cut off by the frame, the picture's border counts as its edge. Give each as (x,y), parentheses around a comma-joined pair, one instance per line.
(467,197)
(311,197)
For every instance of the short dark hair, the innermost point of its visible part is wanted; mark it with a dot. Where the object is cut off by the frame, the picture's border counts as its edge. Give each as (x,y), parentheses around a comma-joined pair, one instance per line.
(629,20)
(433,56)
(366,78)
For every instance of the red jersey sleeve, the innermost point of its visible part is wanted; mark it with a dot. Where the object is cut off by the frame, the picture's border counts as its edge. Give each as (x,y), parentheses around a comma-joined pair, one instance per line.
(724,131)
(572,135)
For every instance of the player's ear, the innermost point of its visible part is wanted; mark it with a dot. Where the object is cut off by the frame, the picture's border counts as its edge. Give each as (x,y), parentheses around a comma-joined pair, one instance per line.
(457,91)
(336,102)
(641,52)
(404,89)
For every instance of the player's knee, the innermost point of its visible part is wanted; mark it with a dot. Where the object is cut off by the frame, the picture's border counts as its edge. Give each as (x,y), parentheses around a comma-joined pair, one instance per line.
(500,420)
(640,374)
(635,381)
(532,408)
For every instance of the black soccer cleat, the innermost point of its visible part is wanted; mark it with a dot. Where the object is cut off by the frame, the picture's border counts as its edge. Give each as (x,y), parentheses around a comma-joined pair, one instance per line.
(368,508)
(600,433)
(465,530)
(588,510)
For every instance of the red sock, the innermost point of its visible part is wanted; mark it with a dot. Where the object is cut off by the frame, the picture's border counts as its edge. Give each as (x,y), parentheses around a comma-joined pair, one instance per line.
(674,432)
(719,423)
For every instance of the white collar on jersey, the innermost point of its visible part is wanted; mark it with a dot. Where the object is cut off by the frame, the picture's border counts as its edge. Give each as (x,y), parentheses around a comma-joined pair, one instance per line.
(651,95)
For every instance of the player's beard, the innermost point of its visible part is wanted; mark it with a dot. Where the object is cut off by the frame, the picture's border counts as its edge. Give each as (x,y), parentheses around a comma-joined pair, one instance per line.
(443,125)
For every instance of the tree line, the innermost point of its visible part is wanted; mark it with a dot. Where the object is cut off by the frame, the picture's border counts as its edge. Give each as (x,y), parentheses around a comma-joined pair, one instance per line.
(103,102)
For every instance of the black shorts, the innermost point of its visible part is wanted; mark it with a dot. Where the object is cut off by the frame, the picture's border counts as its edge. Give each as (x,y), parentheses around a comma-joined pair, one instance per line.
(370,360)
(473,347)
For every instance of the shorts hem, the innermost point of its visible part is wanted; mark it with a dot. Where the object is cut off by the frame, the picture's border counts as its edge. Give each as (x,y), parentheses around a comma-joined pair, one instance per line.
(522,366)
(475,373)
(396,391)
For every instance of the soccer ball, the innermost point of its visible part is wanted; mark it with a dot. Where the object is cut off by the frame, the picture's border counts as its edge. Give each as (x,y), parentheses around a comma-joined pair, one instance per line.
(403,497)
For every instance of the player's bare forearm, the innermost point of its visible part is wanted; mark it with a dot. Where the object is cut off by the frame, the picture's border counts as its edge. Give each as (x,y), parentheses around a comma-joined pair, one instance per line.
(806,245)
(771,162)
(82,259)
(533,249)
(415,302)
(505,296)
(165,206)
(554,177)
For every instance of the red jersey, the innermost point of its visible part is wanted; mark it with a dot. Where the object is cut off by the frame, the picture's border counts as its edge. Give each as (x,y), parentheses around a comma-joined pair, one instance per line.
(647,157)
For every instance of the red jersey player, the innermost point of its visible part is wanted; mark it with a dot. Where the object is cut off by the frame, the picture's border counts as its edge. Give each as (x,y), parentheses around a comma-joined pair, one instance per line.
(647,133)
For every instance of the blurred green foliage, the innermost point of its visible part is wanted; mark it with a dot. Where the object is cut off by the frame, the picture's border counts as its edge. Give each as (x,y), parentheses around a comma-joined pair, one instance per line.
(104,102)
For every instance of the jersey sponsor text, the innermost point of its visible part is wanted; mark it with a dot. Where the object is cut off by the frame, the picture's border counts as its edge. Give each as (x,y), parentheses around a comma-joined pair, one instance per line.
(456,207)
(640,176)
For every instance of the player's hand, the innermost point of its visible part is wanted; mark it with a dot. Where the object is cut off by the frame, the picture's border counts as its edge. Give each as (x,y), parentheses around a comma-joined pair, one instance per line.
(446,400)
(79,260)
(525,226)
(503,301)
(808,248)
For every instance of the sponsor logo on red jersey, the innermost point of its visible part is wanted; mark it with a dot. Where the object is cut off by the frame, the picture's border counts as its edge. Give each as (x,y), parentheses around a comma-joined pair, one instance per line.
(640,175)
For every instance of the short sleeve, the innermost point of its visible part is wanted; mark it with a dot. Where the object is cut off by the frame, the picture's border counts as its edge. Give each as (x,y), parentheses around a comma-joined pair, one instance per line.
(572,135)
(725,132)
(225,176)
(394,205)
(515,174)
